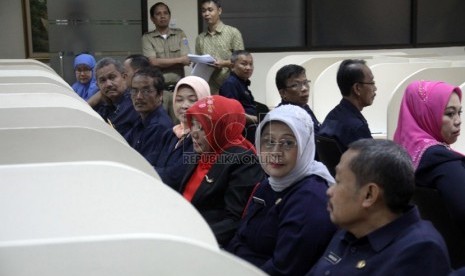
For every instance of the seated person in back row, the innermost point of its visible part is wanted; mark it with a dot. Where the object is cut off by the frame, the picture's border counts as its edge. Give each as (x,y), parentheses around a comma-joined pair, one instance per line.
(114,104)
(85,85)
(381,233)
(236,87)
(294,88)
(146,94)
(345,123)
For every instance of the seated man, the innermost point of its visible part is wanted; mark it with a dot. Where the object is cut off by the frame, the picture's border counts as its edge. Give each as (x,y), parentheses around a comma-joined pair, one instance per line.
(146,94)
(236,86)
(380,233)
(345,123)
(294,88)
(114,104)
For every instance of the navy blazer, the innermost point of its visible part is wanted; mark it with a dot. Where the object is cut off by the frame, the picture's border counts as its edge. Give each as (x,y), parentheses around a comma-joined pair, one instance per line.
(222,199)
(285,233)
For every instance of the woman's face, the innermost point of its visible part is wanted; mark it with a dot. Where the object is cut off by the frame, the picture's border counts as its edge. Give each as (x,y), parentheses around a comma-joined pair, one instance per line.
(278,149)
(83,73)
(450,129)
(199,137)
(185,98)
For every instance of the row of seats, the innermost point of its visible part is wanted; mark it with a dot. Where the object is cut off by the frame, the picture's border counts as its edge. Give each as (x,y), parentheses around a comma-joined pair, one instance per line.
(393,71)
(76,199)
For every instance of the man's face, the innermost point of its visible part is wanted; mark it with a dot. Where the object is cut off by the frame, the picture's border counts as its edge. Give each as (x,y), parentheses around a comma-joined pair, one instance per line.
(111,82)
(211,13)
(129,71)
(345,198)
(367,87)
(145,97)
(161,17)
(297,90)
(243,67)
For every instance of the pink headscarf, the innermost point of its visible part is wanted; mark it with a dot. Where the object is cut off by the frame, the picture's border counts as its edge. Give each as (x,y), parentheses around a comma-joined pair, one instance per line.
(420,117)
(201,89)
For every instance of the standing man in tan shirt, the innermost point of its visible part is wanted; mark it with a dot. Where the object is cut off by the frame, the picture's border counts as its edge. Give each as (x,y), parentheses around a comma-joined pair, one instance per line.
(166,47)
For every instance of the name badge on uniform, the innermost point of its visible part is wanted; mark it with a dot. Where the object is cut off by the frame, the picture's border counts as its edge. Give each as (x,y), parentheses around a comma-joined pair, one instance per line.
(259,201)
(333,258)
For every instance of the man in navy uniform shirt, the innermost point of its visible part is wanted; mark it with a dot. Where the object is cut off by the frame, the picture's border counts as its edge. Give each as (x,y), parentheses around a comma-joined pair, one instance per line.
(345,123)
(147,94)
(380,233)
(113,102)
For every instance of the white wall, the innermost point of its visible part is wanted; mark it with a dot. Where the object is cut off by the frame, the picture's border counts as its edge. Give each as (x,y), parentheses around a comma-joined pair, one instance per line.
(184,16)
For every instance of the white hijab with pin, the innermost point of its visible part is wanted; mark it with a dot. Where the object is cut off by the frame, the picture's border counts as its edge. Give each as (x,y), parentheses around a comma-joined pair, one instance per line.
(298,120)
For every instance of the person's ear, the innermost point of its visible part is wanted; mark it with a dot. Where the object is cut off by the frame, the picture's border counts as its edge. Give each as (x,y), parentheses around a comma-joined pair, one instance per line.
(371,193)
(356,89)
(282,93)
(220,10)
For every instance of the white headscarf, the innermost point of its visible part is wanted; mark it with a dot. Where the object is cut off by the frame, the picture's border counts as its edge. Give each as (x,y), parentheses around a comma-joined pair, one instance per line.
(298,120)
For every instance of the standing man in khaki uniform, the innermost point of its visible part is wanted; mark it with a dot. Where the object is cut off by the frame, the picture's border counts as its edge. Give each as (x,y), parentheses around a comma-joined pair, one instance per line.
(166,48)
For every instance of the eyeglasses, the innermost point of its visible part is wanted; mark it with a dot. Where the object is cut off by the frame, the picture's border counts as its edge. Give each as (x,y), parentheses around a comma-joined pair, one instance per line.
(299,85)
(284,144)
(369,83)
(145,92)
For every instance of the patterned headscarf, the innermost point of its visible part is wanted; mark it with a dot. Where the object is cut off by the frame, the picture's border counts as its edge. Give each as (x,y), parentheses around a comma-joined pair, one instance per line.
(420,117)
(301,124)
(223,121)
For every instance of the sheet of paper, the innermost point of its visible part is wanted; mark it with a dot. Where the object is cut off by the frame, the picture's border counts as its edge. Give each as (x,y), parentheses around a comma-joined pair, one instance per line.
(201,59)
(202,70)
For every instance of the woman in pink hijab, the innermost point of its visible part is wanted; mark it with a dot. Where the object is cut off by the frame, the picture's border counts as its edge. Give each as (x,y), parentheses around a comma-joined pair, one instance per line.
(429,122)
(170,157)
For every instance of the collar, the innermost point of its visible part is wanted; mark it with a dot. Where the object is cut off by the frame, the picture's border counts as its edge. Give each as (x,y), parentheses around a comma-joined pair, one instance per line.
(382,237)
(306,107)
(157,33)
(246,82)
(351,107)
(219,29)
(148,120)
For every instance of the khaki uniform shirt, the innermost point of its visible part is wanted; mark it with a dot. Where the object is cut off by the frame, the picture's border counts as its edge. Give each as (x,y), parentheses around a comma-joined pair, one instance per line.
(220,45)
(175,45)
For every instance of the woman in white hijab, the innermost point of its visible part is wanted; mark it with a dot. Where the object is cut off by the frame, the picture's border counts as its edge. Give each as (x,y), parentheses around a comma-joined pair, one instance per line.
(286,227)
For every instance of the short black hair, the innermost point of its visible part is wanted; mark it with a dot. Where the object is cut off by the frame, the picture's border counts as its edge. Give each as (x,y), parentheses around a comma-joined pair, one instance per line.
(216,2)
(286,72)
(152,9)
(389,166)
(235,55)
(350,72)
(138,61)
(154,73)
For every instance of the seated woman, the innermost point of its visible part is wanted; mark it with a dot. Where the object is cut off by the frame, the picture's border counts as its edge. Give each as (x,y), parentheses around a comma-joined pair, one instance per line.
(429,122)
(169,157)
(85,85)
(219,182)
(286,226)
